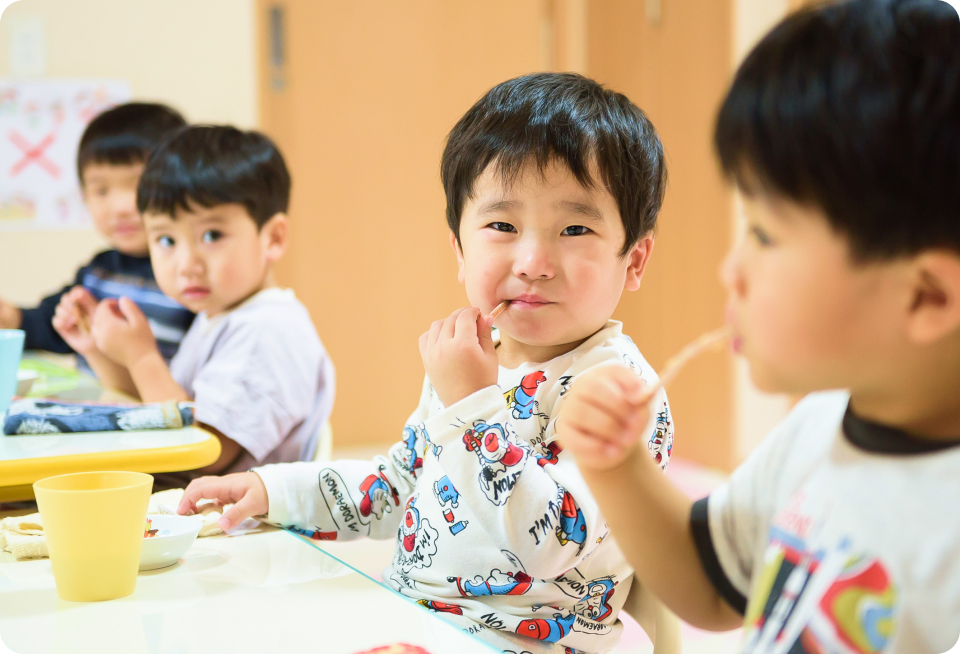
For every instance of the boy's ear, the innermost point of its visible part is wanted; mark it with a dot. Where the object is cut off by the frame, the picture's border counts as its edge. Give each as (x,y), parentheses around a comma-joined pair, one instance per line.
(637,259)
(274,236)
(456,250)
(935,304)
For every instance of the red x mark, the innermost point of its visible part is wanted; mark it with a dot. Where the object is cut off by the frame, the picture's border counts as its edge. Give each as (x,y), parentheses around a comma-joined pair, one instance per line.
(33,154)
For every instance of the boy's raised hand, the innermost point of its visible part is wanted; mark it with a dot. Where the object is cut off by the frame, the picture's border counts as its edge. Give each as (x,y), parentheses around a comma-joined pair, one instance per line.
(73,320)
(10,316)
(121,331)
(459,356)
(603,416)
(244,490)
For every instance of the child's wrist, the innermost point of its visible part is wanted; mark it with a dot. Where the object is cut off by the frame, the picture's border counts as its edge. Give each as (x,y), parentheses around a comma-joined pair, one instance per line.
(144,363)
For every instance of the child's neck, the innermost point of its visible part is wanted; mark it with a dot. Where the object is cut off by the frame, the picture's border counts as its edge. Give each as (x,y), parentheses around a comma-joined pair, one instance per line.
(923,401)
(512,353)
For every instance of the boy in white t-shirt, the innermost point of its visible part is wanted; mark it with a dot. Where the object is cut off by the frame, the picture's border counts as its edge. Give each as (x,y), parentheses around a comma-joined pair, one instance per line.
(840,534)
(494,526)
(214,202)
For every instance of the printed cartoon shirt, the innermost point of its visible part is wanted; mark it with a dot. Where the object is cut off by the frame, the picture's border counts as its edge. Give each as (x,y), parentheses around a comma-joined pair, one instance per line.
(495,525)
(843,534)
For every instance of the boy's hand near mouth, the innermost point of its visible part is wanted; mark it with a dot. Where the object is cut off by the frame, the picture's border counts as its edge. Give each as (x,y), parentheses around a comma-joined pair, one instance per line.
(459,356)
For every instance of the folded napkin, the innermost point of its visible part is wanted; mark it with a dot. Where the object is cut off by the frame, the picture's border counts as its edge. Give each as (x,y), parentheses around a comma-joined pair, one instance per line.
(48,417)
(23,536)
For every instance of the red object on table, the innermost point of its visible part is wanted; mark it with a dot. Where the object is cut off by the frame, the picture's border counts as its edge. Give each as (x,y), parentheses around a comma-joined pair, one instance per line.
(396,648)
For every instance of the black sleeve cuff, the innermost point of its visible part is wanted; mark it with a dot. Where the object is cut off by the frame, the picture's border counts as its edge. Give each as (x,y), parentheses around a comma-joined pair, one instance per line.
(40,334)
(700,528)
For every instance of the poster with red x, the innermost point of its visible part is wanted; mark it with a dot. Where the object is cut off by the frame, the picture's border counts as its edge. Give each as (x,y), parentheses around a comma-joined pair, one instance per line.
(41,122)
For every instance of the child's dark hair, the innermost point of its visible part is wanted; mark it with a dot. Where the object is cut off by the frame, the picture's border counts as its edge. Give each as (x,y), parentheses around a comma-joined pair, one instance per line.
(126,134)
(210,165)
(565,117)
(854,107)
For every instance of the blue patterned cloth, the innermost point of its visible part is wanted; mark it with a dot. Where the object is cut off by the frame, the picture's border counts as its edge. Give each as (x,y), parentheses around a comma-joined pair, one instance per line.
(48,417)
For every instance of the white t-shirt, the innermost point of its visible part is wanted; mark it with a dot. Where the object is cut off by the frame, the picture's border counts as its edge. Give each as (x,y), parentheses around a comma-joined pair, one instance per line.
(844,534)
(260,375)
(495,527)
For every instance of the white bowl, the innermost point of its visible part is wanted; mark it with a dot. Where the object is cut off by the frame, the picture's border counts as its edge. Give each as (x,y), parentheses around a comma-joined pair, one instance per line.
(175,535)
(25,379)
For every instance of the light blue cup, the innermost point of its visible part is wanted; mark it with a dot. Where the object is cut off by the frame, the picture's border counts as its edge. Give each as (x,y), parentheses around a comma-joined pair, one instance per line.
(11,347)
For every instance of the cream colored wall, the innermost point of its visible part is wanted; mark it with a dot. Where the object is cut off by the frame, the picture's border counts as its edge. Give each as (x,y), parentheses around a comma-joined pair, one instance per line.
(755,413)
(196,56)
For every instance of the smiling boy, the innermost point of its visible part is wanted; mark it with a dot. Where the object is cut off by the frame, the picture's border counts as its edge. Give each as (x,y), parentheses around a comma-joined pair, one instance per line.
(553,187)
(839,533)
(214,202)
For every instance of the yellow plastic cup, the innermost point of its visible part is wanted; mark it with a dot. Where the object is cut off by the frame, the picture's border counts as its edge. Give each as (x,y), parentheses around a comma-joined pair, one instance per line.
(94,523)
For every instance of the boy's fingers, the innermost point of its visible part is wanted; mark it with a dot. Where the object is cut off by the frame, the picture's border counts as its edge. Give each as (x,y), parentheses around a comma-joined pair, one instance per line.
(466,323)
(245,508)
(130,310)
(434,332)
(485,334)
(599,421)
(84,301)
(450,325)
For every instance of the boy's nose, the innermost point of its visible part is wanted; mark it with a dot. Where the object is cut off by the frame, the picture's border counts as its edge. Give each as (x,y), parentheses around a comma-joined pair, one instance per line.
(731,275)
(124,203)
(534,260)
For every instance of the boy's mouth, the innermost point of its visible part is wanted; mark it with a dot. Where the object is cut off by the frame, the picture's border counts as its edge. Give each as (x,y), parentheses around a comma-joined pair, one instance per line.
(529,301)
(196,293)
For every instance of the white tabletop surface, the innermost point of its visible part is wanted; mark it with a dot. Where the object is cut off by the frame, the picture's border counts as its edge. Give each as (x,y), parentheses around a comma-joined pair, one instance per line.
(51,445)
(267,591)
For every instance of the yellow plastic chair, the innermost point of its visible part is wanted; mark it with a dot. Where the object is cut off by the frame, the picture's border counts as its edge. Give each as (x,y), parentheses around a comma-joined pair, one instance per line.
(661,625)
(324,443)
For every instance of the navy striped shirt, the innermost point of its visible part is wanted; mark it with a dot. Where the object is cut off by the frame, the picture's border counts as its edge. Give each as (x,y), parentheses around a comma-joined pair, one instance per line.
(112,274)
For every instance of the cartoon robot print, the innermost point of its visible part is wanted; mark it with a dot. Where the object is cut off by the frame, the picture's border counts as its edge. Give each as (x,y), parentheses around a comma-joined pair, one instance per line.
(549,630)
(448,498)
(501,458)
(496,583)
(551,454)
(520,398)
(596,603)
(414,461)
(313,535)
(377,492)
(440,607)
(418,540)
(573,526)
(661,442)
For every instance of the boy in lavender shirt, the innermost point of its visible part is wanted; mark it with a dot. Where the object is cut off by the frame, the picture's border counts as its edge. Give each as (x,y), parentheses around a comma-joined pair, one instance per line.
(214,202)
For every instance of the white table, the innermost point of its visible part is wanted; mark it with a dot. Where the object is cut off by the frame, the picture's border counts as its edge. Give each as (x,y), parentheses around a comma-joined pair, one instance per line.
(267,591)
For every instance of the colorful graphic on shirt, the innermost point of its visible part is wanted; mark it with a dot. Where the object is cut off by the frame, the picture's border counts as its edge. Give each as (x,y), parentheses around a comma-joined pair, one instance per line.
(377,493)
(449,499)
(313,535)
(412,461)
(596,603)
(496,583)
(545,629)
(520,398)
(441,607)
(573,526)
(856,612)
(551,453)
(343,511)
(501,457)
(662,433)
(418,540)
(436,449)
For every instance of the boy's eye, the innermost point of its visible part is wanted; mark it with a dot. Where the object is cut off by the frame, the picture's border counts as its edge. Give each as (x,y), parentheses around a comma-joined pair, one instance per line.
(575,230)
(763,239)
(101,191)
(212,236)
(502,227)
(165,241)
